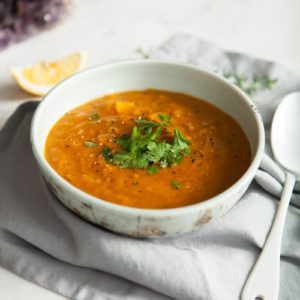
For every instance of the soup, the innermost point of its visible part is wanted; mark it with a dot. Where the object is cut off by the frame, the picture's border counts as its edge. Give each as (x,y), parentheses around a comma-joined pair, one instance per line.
(148,149)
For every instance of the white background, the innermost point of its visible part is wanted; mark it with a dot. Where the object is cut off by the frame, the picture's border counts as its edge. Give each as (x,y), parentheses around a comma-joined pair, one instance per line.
(112,29)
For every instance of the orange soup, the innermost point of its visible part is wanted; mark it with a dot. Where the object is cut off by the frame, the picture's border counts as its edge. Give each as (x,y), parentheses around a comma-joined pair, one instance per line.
(197,151)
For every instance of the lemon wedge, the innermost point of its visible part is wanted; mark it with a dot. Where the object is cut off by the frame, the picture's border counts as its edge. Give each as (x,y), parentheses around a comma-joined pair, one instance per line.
(39,78)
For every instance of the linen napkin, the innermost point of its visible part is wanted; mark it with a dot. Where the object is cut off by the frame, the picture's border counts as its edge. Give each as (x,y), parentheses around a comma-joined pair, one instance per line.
(44,242)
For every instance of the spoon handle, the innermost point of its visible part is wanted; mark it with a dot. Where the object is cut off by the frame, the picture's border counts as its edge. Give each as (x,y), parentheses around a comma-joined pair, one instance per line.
(263,281)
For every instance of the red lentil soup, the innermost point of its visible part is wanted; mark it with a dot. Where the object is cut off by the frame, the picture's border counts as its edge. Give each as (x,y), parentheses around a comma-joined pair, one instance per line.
(219,150)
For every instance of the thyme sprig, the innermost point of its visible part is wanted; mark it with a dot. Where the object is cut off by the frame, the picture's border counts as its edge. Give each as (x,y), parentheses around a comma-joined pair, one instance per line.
(251,85)
(143,53)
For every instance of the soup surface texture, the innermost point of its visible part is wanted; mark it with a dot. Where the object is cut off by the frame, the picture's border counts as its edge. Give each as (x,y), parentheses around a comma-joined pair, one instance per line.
(219,150)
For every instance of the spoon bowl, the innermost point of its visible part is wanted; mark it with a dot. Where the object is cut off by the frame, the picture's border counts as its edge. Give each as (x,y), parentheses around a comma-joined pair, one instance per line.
(285,137)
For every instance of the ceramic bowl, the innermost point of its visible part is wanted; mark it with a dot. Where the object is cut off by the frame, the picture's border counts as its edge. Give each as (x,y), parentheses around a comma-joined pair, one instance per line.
(141,75)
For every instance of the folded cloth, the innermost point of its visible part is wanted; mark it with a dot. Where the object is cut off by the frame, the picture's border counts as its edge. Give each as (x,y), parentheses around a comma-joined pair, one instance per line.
(44,242)
(271,177)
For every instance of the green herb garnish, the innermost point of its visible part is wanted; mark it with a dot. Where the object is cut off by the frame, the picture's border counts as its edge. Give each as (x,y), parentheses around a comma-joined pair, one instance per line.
(94,117)
(143,53)
(251,85)
(175,185)
(165,119)
(144,124)
(106,152)
(145,148)
(152,170)
(90,144)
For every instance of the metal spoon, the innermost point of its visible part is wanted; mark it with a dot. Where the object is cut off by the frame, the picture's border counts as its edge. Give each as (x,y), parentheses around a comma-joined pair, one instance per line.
(263,281)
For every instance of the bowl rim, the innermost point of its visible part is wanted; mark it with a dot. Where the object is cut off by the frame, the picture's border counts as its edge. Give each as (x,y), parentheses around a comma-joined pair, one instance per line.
(147,212)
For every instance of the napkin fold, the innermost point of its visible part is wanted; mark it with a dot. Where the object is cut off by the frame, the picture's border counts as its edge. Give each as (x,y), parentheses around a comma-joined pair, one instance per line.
(44,242)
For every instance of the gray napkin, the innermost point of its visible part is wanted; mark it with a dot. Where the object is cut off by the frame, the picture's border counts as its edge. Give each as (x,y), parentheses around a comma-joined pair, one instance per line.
(44,242)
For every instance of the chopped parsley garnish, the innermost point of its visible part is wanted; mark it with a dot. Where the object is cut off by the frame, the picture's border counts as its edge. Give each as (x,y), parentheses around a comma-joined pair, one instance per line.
(152,170)
(143,124)
(94,117)
(106,152)
(175,184)
(165,119)
(146,148)
(90,144)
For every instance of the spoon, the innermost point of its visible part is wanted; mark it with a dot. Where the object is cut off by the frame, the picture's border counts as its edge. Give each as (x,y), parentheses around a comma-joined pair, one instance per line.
(263,281)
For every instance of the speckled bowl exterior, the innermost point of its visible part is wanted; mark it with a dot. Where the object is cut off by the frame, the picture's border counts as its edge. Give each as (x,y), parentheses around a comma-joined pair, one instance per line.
(140,75)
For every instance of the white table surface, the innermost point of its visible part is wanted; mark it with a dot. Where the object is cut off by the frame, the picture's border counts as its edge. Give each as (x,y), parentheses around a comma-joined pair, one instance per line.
(112,29)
